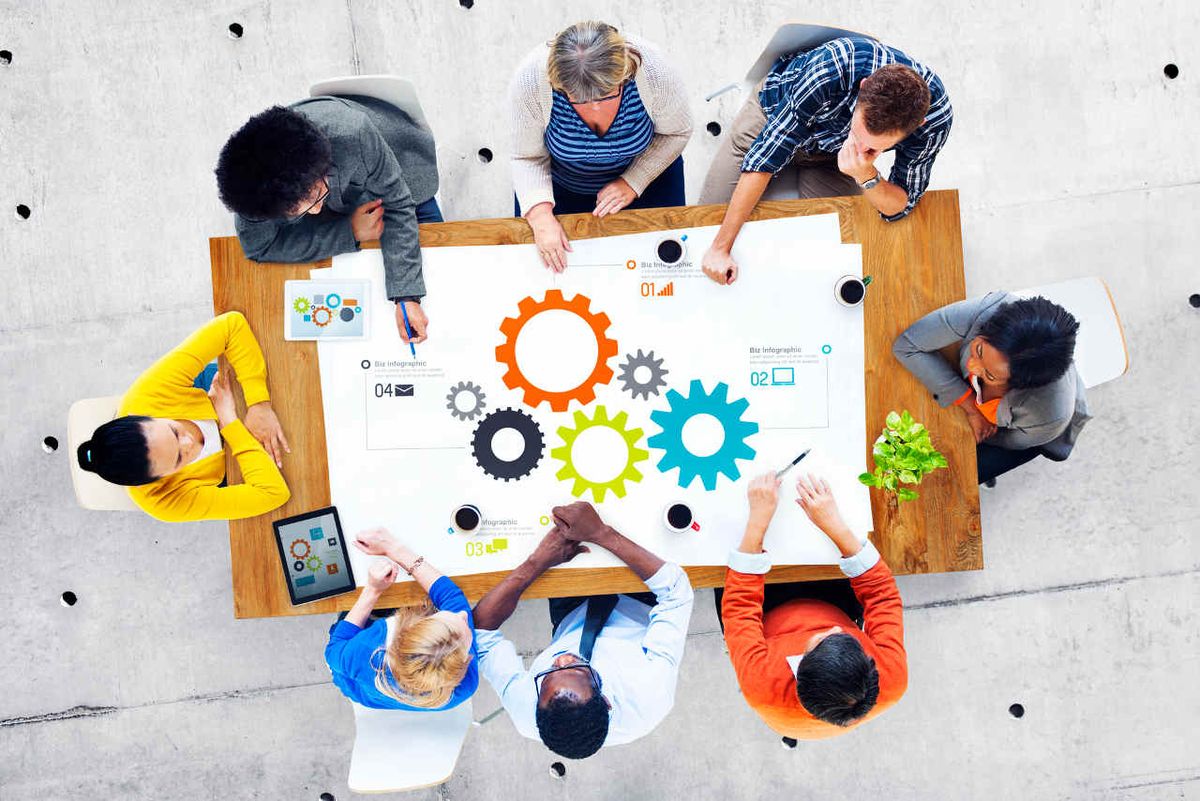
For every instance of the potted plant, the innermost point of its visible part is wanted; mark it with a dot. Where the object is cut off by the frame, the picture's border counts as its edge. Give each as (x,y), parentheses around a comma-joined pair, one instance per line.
(903,454)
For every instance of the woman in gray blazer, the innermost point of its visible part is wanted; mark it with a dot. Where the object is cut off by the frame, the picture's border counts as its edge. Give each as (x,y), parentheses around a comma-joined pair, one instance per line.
(1015,379)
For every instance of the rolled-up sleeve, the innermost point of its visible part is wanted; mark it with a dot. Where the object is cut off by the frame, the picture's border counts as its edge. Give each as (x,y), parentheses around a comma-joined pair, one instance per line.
(913,168)
(505,671)
(667,632)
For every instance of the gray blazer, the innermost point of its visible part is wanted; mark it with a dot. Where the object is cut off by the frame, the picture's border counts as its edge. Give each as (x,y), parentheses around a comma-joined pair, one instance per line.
(1050,416)
(378,152)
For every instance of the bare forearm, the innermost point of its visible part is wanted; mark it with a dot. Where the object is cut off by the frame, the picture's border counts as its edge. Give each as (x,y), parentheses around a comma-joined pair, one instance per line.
(498,604)
(746,194)
(847,544)
(425,574)
(361,611)
(639,560)
(887,198)
(752,540)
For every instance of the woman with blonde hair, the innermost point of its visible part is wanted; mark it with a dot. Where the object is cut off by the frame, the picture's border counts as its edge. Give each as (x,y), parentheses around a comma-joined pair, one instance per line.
(420,658)
(599,122)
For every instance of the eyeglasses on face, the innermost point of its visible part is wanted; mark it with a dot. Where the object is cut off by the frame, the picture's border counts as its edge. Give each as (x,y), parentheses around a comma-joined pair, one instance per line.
(605,99)
(320,198)
(580,665)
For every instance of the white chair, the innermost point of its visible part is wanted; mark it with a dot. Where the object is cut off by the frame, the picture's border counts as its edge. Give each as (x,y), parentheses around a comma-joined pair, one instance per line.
(1100,350)
(792,37)
(397,750)
(400,92)
(93,492)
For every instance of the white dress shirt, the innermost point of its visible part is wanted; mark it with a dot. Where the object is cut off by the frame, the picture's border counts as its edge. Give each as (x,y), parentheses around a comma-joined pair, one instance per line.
(637,655)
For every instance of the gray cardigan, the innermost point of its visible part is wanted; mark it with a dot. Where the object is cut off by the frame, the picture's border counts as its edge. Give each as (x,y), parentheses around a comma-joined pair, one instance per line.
(378,152)
(1050,416)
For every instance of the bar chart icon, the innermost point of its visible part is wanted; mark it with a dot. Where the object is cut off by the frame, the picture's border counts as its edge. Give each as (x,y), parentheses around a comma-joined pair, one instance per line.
(667,291)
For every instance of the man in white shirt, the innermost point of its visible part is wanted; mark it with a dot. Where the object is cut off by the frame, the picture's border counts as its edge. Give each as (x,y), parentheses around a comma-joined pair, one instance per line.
(608,676)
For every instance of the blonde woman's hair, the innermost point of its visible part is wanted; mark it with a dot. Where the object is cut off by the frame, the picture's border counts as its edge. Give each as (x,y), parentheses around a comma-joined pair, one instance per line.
(590,60)
(426,659)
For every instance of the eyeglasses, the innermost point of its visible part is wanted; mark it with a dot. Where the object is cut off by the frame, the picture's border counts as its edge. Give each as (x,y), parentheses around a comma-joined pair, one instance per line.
(597,100)
(580,665)
(297,217)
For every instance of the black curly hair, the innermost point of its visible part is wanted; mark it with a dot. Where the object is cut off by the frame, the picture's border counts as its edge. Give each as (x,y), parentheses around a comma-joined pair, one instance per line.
(836,681)
(271,164)
(571,729)
(1038,338)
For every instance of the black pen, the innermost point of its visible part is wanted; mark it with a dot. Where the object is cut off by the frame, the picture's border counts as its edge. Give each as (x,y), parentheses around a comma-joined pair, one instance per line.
(796,461)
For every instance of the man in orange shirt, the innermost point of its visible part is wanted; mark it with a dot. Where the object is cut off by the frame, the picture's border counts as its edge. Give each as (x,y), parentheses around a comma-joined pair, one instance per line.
(803,664)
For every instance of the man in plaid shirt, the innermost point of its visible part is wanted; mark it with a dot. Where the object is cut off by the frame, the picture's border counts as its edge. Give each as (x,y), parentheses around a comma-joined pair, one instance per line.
(830,112)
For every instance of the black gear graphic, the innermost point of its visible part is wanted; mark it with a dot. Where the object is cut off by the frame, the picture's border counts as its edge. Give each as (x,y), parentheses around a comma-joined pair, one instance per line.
(523,424)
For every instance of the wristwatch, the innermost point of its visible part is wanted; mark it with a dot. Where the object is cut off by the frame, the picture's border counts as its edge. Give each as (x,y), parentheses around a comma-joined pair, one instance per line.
(871,183)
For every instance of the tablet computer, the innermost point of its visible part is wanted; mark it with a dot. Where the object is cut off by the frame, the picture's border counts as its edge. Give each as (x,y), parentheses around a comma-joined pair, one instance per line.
(327,308)
(316,563)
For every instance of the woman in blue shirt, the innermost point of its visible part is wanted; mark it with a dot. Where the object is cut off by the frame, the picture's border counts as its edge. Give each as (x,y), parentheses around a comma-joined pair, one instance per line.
(420,658)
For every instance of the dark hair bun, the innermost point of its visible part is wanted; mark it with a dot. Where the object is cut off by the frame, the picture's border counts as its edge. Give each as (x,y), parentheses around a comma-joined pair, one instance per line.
(84,455)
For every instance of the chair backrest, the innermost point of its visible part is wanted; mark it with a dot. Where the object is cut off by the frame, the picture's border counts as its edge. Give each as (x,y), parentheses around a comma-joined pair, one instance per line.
(395,749)
(794,37)
(1100,350)
(93,492)
(400,92)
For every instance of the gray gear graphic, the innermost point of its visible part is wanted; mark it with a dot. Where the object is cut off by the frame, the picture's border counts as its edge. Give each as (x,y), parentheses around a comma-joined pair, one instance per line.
(628,372)
(476,391)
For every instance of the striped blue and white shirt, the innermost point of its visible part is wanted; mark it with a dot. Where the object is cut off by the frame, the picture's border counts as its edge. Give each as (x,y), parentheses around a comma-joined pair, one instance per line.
(809,98)
(582,161)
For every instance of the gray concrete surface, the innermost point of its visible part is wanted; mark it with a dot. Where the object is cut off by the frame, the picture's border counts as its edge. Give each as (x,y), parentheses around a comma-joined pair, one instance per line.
(1074,155)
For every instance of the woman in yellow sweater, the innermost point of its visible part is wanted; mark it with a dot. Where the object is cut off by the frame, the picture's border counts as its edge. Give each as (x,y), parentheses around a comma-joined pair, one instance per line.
(168,442)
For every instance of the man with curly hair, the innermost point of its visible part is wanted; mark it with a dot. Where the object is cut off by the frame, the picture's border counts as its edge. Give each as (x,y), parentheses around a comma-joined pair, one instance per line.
(324,175)
(608,676)
(830,113)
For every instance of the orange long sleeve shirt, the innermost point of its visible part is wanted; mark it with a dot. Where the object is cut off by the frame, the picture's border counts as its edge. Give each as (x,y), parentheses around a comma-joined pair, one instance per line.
(759,647)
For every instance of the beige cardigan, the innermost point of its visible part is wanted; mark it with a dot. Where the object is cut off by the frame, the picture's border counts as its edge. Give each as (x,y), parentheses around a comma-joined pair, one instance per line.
(661,91)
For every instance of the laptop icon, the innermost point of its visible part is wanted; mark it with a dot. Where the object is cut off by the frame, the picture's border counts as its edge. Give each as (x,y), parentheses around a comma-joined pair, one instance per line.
(783,376)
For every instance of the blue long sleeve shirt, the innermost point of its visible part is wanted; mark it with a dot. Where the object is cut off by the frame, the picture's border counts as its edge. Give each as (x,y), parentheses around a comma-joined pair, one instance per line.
(353,655)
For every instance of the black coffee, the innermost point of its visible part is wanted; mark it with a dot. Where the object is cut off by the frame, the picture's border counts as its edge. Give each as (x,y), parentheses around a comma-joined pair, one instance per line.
(466,518)
(670,251)
(679,516)
(853,291)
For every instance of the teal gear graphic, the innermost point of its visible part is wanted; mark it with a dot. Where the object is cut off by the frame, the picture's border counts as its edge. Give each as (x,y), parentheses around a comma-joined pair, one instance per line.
(307,549)
(600,488)
(313,562)
(728,414)
(300,305)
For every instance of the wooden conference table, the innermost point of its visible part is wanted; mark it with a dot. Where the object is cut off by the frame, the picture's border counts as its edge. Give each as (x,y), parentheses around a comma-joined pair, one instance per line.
(916,265)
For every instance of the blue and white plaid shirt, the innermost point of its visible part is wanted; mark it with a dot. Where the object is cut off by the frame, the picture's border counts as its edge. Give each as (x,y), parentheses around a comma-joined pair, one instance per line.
(809,98)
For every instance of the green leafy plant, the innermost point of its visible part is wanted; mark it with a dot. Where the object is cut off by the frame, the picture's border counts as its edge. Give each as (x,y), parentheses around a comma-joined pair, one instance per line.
(903,454)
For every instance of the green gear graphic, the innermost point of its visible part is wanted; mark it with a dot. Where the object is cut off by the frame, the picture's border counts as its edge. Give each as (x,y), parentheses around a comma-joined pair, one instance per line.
(600,489)
(300,305)
(313,567)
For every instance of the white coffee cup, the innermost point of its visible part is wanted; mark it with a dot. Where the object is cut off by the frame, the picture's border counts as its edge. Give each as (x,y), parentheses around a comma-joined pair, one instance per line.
(678,518)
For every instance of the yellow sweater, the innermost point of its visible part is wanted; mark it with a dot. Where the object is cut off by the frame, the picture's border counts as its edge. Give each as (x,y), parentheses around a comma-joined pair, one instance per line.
(165,390)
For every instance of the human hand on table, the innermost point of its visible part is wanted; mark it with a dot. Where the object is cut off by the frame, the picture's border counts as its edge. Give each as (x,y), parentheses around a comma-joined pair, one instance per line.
(763,494)
(382,574)
(549,237)
(220,392)
(375,541)
(613,197)
(367,221)
(982,427)
(555,549)
(580,522)
(817,501)
(262,423)
(719,266)
(416,320)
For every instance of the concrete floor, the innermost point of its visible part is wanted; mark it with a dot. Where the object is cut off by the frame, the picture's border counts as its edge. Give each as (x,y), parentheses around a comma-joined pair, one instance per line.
(1074,155)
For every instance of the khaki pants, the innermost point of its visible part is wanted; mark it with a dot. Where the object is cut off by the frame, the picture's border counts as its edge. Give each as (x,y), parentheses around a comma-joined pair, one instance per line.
(809,175)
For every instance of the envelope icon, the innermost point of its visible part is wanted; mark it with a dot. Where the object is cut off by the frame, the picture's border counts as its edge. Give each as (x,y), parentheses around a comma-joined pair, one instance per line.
(404,390)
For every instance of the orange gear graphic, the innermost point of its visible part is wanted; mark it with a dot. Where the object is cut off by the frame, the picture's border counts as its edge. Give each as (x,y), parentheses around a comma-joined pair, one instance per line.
(606,348)
(321,310)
